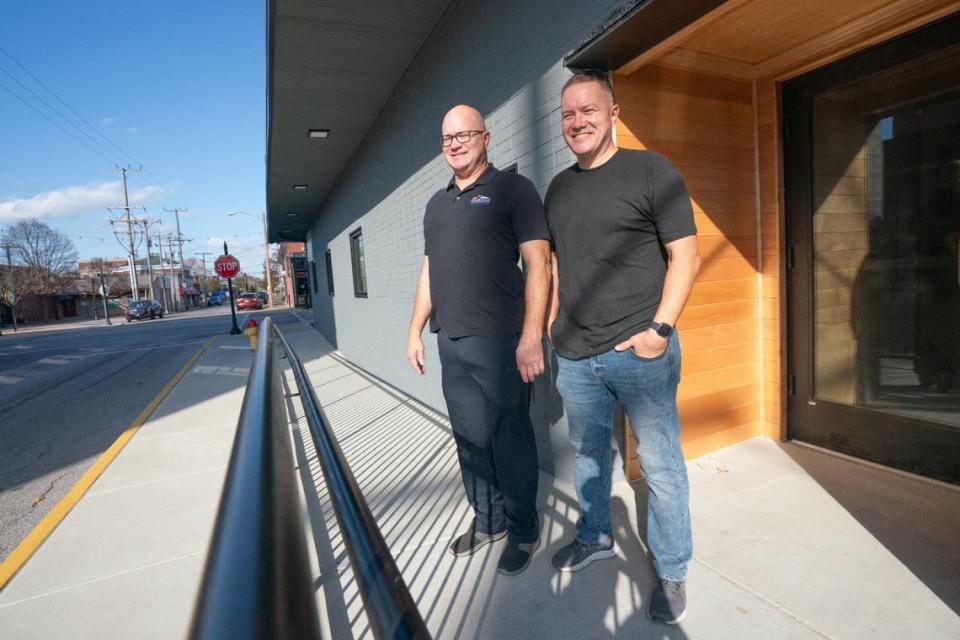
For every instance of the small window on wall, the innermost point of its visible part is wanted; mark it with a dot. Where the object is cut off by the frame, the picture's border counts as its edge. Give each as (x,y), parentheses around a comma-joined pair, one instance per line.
(329,263)
(313,275)
(511,169)
(359,266)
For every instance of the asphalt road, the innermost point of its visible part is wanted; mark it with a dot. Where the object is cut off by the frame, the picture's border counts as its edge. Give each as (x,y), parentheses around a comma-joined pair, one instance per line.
(66,395)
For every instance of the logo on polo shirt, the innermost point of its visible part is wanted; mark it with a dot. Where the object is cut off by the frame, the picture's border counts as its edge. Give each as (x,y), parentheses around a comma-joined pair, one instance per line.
(479,201)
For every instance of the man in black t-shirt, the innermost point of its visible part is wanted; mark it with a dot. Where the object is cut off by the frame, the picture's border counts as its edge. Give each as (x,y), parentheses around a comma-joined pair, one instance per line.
(489,327)
(625,260)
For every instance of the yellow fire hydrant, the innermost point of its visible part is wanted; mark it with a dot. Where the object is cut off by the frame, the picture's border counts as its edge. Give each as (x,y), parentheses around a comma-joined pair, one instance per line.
(251,331)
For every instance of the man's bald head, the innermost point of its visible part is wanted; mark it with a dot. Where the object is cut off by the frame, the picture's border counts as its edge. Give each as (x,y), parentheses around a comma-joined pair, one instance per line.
(462,117)
(464,139)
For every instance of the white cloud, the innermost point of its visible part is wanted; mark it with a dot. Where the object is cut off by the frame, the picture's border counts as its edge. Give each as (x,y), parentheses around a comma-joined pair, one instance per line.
(106,121)
(73,200)
(133,129)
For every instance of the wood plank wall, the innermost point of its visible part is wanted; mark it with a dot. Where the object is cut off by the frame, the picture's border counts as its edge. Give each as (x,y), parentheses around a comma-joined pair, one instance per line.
(772,287)
(706,126)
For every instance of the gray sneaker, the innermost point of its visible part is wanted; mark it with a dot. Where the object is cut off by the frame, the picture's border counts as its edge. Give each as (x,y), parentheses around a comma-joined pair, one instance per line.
(577,555)
(668,602)
(468,543)
(516,557)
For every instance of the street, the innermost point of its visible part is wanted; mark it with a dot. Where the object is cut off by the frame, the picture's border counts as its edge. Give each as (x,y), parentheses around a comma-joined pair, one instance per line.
(67,394)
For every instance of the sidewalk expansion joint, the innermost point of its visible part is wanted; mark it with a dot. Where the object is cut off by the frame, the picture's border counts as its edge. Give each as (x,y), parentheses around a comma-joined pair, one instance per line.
(101,579)
(773,603)
(106,492)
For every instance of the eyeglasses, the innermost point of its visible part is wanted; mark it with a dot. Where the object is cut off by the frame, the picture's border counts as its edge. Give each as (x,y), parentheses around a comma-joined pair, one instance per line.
(460,136)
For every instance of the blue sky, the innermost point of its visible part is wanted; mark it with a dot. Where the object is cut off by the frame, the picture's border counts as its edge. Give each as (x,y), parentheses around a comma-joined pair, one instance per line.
(178,85)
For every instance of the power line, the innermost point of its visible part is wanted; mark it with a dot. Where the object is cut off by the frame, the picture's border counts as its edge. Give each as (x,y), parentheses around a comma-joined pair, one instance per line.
(94,128)
(56,111)
(56,124)
(67,105)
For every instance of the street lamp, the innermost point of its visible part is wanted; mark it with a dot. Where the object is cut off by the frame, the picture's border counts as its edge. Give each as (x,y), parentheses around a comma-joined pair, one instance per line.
(266,251)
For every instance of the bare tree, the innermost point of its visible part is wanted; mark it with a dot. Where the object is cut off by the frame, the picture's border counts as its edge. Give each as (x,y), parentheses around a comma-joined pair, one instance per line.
(44,254)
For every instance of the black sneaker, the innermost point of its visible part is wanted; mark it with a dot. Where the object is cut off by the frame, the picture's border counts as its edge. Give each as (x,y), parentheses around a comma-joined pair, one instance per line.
(668,602)
(516,556)
(468,543)
(577,555)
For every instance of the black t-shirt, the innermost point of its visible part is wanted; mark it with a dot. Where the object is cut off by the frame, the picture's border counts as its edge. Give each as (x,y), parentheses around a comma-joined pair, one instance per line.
(609,225)
(472,239)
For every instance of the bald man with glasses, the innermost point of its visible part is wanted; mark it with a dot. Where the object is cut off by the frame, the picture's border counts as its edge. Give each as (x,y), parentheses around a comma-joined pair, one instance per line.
(489,322)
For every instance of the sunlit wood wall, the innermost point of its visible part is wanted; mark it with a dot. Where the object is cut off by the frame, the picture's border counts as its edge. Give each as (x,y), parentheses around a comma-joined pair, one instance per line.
(706,125)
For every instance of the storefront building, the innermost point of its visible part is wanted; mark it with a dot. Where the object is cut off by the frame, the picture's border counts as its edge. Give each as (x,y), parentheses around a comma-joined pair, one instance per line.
(820,143)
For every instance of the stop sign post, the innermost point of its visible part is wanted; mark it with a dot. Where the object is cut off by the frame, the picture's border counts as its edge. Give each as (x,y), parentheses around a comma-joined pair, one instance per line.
(227,266)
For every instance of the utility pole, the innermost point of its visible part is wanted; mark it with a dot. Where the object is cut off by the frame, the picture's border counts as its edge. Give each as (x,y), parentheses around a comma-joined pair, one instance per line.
(203,261)
(180,239)
(13,307)
(146,234)
(103,295)
(163,276)
(266,262)
(134,285)
(175,290)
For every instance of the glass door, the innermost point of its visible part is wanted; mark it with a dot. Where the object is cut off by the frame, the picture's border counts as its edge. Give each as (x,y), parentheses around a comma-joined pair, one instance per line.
(872,190)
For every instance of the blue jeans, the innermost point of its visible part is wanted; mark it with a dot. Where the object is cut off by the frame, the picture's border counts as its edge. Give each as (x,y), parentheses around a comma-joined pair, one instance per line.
(647,389)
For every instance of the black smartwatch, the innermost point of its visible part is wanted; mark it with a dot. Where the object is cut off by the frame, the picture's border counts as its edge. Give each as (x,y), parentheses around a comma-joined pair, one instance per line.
(662,328)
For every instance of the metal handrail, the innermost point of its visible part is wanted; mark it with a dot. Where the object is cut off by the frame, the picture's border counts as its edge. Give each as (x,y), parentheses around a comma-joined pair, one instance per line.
(391,611)
(257,581)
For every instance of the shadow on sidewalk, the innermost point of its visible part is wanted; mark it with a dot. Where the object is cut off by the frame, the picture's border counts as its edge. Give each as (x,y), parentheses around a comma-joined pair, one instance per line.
(917,522)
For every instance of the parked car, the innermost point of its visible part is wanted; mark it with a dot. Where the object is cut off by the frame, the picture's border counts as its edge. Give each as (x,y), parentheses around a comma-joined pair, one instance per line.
(249,301)
(264,298)
(146,309)
(217,298)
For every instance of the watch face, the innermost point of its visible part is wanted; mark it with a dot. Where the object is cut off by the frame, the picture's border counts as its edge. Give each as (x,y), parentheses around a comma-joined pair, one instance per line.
(664,330)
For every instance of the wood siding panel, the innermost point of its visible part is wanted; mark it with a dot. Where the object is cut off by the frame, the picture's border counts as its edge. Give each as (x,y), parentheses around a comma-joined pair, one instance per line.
(769,176)
(705,126)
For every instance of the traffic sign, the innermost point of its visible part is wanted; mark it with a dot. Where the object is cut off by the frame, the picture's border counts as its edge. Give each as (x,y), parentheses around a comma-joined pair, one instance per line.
(227,266)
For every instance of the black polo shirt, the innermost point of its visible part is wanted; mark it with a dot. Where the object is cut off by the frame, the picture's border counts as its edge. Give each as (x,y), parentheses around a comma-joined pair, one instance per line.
(472,239)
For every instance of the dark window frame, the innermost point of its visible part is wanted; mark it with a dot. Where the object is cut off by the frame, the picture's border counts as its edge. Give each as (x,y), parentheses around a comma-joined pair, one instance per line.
(328,261)
(358,263)
(313,275)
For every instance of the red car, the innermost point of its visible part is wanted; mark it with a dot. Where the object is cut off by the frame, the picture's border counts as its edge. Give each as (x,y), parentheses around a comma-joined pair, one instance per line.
(249,301)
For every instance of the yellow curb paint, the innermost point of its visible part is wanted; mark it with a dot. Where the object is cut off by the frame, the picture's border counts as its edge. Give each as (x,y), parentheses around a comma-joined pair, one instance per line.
(45,527)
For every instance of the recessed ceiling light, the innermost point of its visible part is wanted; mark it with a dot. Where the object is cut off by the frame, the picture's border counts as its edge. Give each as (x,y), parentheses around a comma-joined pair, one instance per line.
(318,133)
(299,187)
(292,214)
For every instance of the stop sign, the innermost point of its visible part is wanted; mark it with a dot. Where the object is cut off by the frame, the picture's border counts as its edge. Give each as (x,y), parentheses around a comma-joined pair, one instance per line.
(227,266)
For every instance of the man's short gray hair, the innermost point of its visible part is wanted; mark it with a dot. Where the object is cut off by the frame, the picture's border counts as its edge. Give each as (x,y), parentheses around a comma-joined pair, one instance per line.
(591,75)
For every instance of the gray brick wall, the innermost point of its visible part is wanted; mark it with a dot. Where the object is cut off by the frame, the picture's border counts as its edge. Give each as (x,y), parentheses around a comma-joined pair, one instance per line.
(505,58)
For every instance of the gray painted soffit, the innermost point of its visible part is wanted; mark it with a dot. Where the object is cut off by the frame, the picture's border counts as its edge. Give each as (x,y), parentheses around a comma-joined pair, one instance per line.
(330,65)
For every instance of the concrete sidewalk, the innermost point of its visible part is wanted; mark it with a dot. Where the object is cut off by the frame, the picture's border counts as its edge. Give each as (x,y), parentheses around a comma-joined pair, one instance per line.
(127,560)
(789,542)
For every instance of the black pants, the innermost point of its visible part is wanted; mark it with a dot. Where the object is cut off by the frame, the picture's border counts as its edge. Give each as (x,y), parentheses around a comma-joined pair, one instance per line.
(489,412)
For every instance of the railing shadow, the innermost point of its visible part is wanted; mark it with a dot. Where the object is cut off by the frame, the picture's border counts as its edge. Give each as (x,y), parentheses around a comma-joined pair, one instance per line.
(404,459)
